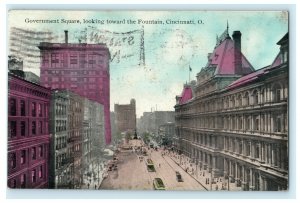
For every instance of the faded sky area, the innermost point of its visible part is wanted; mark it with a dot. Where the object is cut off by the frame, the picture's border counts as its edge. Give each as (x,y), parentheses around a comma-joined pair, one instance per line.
(169,48)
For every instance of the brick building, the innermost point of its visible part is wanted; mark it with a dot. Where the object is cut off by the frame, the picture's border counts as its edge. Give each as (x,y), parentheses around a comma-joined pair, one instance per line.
(234,122)
(28,133)
(126,117)
(79,67)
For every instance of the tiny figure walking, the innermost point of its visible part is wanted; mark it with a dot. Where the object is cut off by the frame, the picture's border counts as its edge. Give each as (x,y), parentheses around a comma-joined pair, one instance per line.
(88,185)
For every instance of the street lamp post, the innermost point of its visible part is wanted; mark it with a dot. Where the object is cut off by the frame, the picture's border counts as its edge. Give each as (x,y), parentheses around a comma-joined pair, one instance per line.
(211,176)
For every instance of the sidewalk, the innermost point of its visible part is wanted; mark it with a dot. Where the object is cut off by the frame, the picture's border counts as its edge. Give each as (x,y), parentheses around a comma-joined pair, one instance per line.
(93,182)
(203,176)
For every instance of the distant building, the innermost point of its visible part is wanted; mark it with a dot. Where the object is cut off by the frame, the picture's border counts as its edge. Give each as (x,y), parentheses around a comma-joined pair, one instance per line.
(15,66)
(114,131)
(93,134)
(82,68)
(166,133)
(126,117)
(15,63)
(151,121)
(28,135)
(143,123)
(234,122)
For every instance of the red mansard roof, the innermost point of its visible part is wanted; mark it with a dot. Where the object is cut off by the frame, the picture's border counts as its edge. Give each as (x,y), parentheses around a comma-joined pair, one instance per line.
(253,76)
(223,58)
(186,95)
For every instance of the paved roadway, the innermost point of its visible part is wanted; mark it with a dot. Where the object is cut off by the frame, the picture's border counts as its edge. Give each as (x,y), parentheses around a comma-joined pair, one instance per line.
(132,173)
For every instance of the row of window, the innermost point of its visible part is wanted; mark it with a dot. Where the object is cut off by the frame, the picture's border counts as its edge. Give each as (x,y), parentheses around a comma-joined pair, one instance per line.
(61,160)
(62,60)
(262,123)
(80,73)
(62,78)
(23,181)
(271,153)
(20,108)
(241,100)
(60,125)
(60,109)
(24,156)
(60,142)
(23,128)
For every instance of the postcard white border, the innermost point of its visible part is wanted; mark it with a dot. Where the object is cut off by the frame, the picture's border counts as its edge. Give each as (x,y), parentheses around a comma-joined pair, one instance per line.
(53,194)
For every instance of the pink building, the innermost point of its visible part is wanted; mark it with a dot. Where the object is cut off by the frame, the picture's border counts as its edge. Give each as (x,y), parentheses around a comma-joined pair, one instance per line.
(82,68)
(28,135)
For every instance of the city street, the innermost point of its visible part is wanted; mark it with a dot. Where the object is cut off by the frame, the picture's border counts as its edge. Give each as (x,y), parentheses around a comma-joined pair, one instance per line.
(132,173)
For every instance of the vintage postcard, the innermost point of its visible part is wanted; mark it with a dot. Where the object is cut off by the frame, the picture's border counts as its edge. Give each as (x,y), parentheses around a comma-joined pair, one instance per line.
(148,100)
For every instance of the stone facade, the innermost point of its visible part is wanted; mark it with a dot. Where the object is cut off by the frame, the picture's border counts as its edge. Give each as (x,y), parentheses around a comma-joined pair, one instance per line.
(236,124)
(28,135)
(77,127)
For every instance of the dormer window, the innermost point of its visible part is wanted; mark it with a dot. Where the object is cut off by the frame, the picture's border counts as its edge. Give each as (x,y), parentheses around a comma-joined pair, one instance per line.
(285,56)
(216,56)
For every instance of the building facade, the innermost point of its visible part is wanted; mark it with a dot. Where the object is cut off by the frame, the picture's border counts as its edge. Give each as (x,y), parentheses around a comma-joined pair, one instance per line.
(126,117)
(151,121)
(166,133)
(28,133)
(235,123)
(77,127)
(93,134)
(66,126)
(82,68)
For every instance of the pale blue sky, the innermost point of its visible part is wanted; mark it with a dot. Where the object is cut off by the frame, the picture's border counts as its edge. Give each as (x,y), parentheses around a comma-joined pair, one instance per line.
(169,49)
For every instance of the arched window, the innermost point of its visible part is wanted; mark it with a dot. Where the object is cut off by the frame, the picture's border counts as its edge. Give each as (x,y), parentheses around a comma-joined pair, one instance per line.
(255,97)
(276,91)
(277,123)
(263,96)
(239,101)
(232,102)
(246,99)
(240,123)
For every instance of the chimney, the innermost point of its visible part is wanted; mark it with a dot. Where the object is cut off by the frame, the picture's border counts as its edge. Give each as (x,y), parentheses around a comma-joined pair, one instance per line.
(66,36)
(237,52)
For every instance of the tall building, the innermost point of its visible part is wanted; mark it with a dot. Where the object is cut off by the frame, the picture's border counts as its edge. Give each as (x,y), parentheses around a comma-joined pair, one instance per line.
(234,122)
(66,126)
(77,128)
(126,117)
(28,135)
(82,68)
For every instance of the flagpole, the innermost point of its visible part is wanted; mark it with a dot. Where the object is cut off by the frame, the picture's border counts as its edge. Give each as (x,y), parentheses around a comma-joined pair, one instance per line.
(189,74)
(190,69)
